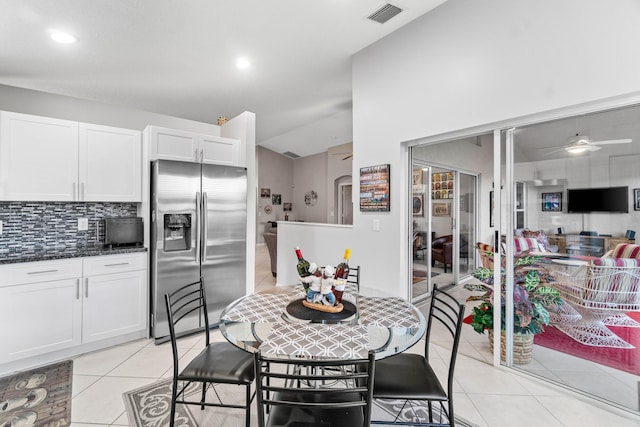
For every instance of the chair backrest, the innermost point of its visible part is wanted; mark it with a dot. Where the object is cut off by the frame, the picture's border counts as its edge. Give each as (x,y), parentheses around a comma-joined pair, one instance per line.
(485,253)
(317,386)
(612,283)
(354,276)
(625,250)
(183,305)
(445,311)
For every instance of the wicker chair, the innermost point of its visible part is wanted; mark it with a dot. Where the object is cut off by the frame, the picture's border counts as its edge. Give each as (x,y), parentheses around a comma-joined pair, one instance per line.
(603,288)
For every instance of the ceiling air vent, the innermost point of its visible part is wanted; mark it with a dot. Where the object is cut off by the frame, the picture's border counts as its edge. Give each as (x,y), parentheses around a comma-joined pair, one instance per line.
(385,13)
(290,154)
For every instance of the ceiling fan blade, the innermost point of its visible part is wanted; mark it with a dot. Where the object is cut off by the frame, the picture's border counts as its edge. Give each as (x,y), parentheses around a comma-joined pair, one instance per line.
(592,147)
(554,147)
(612,141)
(557,150)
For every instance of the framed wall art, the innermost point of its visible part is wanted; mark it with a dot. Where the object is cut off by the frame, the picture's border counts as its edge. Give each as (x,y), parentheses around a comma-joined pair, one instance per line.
(265,192)
(441,209)
(442,185)
(636,199)
(417,179)
(552,202)
(375,188)
(418,204)
(276,199)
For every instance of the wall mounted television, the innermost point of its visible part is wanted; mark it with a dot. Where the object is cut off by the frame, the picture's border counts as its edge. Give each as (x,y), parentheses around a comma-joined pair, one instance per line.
(608,199)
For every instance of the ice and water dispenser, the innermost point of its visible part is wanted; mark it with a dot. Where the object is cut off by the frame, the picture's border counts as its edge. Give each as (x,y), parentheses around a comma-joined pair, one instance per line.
(177,232)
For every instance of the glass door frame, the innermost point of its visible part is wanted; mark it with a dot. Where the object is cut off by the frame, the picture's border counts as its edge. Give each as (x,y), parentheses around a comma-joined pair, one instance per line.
(455,220)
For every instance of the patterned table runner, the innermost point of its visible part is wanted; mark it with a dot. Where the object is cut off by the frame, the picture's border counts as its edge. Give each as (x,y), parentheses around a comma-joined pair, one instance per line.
(259,308)
(387,312)
(313,339)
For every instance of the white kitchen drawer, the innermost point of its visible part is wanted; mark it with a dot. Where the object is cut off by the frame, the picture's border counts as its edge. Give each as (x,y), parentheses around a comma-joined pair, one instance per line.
(107,264)
(40,271)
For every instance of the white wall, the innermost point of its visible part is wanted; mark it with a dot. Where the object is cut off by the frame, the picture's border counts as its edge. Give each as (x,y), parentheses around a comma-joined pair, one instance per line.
(584,172)
(310,173)
(275,172)
(473,62)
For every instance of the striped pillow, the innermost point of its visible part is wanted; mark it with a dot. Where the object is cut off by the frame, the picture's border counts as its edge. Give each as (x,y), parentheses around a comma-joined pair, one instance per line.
(613,283)
(626,250)
(526,244)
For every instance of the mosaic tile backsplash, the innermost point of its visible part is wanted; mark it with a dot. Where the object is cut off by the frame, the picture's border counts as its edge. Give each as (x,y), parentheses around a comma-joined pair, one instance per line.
(35,228)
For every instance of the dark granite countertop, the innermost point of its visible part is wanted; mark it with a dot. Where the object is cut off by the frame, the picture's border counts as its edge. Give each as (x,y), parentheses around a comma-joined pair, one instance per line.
(65,254)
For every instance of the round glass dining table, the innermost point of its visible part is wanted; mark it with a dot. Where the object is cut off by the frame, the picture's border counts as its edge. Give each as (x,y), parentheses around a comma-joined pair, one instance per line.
(279,325)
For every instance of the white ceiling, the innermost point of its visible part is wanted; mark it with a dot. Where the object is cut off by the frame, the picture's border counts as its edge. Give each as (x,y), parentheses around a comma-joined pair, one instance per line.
(178,58)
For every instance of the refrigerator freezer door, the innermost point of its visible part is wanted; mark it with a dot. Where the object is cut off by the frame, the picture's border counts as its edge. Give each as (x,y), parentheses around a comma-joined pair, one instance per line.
(224,194)
(175,189)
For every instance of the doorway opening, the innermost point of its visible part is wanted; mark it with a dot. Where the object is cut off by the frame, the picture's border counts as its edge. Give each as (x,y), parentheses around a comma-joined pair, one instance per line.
(443,218)
(344,200)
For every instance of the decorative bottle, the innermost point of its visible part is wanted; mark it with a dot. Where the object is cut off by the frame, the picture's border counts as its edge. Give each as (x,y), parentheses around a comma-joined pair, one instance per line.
(342,272)
(303,264)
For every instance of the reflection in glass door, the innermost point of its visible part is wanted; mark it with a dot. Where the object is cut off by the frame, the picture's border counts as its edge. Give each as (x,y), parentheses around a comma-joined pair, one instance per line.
(443,218)
(465,219)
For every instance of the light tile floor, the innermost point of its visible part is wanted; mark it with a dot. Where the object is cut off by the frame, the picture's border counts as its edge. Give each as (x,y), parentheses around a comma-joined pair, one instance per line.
(485,396)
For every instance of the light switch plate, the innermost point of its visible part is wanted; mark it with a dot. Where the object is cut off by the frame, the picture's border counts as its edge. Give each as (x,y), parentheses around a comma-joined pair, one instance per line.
(376,225)
(83,224)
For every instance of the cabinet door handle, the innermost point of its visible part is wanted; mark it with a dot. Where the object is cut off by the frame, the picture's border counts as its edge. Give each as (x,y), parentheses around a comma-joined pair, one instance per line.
(195,155)
(86,287)
(82,191)
(42,272)
(77,288)
(116,264)
(201,155)
(74,191)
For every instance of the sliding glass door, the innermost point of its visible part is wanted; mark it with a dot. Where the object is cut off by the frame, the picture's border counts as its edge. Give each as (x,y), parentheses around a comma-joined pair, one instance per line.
(444,221)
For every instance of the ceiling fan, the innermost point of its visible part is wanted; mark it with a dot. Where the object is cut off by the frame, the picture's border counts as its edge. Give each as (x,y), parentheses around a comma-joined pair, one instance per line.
(580,143)
(348,155)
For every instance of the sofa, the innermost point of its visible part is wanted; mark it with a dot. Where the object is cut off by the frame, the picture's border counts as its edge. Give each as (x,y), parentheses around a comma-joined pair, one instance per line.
(442,251)
(271,240)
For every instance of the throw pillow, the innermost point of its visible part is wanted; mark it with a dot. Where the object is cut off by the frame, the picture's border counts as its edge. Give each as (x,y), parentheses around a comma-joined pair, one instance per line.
(539,236)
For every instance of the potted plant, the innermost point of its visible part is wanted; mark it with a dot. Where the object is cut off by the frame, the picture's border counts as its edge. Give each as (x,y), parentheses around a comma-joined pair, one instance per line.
(532,300)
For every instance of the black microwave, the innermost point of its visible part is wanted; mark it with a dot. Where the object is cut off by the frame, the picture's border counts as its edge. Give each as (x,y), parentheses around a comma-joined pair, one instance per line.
(123,231)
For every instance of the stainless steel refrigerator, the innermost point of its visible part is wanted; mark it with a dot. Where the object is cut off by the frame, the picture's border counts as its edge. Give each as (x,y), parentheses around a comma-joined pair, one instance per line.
(198,229)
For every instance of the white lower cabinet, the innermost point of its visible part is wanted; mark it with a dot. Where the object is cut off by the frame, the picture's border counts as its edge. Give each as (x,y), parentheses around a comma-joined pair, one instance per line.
(114,304)
(55,305)
(38,318)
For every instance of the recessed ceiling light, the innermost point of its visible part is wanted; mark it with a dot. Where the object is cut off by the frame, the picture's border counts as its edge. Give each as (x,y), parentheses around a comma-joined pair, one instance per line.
(61,37)
(243,63)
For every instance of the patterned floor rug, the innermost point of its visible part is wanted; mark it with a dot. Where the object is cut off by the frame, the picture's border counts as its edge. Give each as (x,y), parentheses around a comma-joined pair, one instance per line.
(149,406)
(38,397)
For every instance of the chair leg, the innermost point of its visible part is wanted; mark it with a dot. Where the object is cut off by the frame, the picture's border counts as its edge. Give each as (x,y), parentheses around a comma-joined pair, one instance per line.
(174,396)
(204,395)
(248,406)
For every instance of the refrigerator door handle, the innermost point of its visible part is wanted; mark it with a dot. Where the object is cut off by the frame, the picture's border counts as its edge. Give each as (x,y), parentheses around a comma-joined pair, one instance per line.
(205,224)
(198,228)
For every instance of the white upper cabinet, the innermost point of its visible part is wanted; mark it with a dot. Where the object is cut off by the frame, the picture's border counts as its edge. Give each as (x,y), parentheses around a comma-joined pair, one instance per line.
(172,144)
(218,150)
(110,164)
(44,159)
(38,158)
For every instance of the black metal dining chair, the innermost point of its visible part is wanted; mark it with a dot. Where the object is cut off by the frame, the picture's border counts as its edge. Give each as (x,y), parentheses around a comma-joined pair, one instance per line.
(410,377)
(296,393)
(354,276)
(217,363)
